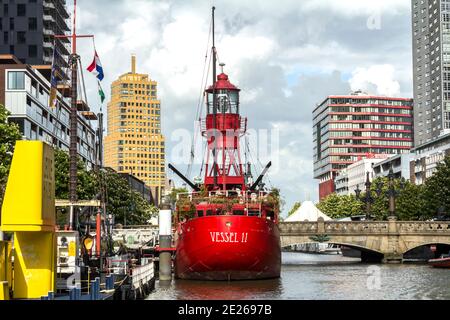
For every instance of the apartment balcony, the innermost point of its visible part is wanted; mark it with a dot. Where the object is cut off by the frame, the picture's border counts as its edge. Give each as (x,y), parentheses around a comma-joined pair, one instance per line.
(48,4)
(48,31)
(47,59)
(62,23)
(49,18)
(64,89)
(59,6)
(82,106)
(89,115)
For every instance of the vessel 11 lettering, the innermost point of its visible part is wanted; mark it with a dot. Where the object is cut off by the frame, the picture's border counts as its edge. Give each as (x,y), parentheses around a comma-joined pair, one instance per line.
(229,237)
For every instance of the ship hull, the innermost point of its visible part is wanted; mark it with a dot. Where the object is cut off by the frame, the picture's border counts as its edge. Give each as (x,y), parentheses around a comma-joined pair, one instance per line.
(228,248)
(440,262)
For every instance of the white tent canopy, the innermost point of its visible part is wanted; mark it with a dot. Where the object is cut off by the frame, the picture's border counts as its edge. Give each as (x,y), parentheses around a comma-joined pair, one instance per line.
(307,212)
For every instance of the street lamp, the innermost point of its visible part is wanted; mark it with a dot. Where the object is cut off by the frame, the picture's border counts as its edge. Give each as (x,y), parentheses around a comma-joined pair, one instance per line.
(368,199)
(392,193)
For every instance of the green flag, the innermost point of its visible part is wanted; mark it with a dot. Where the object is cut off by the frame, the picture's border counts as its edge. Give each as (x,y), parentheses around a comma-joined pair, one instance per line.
(100,92)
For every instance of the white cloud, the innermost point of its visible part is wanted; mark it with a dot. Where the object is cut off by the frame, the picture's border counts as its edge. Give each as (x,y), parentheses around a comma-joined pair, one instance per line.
(379,77)
(358,7)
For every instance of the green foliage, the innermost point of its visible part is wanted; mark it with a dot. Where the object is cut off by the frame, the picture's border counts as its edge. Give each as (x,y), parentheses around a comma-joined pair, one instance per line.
(87,183)
(336,206)
(294,208)
(9,134)
(127,205)
(320,238)
(410,202)
(437,190)
(274,197)
(173,194)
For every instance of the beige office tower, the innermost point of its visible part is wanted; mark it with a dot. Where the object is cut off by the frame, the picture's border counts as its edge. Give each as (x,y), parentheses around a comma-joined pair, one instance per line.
(134,143)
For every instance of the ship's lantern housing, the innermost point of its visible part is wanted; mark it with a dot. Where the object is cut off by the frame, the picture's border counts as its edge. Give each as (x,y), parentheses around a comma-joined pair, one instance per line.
(227,96)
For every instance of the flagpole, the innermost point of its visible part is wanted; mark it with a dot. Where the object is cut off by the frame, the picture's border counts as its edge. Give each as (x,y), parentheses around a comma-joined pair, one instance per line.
(73,116)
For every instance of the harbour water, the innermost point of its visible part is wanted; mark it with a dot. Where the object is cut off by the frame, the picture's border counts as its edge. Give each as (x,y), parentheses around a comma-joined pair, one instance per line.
(323,277)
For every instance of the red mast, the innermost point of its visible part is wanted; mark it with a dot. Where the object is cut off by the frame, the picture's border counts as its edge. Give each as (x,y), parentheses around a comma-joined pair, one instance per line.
(223,128)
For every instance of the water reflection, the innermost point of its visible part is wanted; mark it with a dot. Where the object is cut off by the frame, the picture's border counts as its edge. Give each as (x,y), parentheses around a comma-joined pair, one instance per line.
(308,276)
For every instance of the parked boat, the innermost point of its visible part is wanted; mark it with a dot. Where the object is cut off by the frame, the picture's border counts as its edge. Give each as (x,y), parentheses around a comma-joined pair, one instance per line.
(442,262)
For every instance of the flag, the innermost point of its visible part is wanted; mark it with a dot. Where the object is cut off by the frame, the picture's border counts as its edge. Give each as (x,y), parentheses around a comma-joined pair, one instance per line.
(100,92)
(53,99)
(96,68)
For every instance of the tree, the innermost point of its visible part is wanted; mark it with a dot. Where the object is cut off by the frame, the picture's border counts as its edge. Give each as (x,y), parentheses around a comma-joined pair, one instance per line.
(275,195)
(409,201)
(87,185)
(127,205)
(336,206)
(437,190)
(9,134)
(173,194)
(294,208)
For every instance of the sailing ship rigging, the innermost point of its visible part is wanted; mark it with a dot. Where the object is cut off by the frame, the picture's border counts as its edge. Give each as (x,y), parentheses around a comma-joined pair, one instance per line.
(227,227)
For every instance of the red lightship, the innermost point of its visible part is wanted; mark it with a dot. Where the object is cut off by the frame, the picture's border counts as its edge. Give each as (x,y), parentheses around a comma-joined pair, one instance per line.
(227,227)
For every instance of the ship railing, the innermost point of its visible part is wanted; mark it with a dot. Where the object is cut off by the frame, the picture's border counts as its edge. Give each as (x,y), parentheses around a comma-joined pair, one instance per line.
(243,125)
(244,197)
(227,193)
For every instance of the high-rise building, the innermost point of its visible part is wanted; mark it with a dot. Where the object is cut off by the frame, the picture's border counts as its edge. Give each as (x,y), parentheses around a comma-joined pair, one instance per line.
(431,63)
(134,143)
(348,128)
(27,30)
(24,91)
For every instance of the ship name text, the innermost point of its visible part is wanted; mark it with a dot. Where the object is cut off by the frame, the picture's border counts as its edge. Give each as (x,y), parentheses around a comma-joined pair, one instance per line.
(229,237)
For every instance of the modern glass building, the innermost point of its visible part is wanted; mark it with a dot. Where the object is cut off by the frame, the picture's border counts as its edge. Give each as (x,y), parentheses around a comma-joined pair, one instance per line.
(24,91)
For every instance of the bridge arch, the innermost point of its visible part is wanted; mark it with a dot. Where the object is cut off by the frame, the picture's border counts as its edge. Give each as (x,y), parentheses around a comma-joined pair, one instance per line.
(367,254)
(442,247)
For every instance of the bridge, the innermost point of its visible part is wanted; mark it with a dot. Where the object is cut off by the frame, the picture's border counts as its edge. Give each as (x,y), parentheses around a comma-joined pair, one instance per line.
(386,241)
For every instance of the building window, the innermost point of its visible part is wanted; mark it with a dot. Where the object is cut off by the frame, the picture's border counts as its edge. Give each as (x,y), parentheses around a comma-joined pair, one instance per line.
(5,9)
(32,51)
(5,37)
(11,49)
(21,10)
(32,23)
(16,80)
(11,23)
(21,37)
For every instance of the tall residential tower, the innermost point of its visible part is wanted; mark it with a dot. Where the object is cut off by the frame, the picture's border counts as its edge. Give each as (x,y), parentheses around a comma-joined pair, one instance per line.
(134,143)
(431,63)
(27,30)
